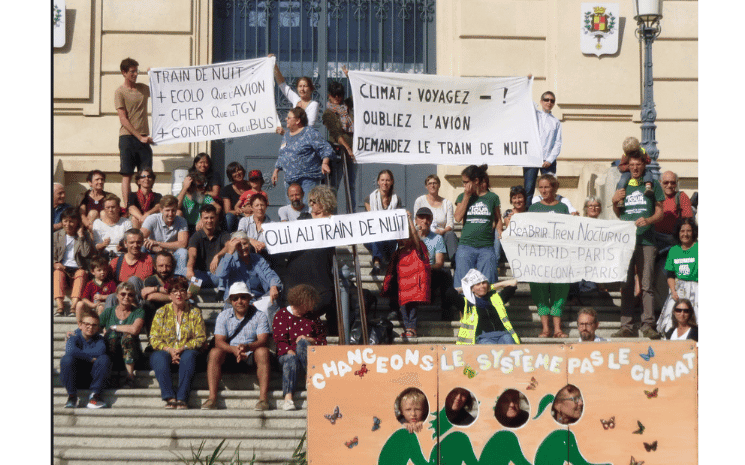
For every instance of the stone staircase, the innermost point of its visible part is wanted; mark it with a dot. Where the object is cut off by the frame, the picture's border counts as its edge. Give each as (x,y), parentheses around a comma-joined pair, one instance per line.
(138,429)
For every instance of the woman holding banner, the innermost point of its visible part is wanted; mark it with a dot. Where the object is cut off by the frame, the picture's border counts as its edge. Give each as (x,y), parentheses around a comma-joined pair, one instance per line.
(478,209)
(549,297)
(301,98)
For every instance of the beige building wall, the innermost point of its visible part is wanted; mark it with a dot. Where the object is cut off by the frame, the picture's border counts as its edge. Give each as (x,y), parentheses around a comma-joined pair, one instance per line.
(598,98)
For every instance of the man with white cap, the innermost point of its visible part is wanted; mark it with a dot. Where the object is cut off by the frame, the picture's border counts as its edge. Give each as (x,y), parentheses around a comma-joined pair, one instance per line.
(241,335)
(484,319)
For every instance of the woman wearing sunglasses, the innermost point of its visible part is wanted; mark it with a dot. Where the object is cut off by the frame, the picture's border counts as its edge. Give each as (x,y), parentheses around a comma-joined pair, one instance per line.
(144,202)
(684,322)
(122,325)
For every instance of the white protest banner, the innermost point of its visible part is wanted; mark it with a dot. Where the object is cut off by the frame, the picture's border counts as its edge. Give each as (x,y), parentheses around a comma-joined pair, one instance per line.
(551,248)
(417,118)
(355,228)
(199,103)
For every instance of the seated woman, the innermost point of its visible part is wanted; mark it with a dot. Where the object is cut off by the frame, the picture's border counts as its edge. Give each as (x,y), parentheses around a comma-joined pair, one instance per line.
(508,412)
(253,225)
(484,319)
(458,405)
(72,247)
(231,193)
(568,405)
(442,214)
(191,198)
(203,164)
(682,272)
(90,202)
(144,202)
(518,198)
(295,328)
(109,229)
(684,322)
(176,336)
(382,198)
(122,325)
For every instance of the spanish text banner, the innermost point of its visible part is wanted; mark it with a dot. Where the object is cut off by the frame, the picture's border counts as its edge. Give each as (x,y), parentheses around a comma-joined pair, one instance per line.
(338,230)
(416,118)
(551,248)
(200,103)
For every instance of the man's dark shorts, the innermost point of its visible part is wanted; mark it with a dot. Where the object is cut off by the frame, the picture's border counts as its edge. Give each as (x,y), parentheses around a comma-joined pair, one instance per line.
(133,154)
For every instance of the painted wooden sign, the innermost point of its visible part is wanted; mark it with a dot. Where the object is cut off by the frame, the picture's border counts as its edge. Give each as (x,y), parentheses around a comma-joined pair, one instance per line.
(583,404)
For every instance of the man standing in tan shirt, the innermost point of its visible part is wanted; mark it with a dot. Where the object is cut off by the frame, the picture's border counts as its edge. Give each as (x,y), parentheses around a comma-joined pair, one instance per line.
(134,134)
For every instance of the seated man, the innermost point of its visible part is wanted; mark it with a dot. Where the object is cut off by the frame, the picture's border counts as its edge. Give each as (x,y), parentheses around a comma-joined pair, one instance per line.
(296,207)
(85,358)
(440,278)
(587,323)
(206,248)
(154,294)
(134,266)
(241,334)
(484,319)
(167,231)
(58,206)
(240,264)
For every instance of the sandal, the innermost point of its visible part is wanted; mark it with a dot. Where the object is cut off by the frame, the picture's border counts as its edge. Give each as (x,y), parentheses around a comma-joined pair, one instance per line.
(544,334)
(181,405)
(409,333)
(560,334)
(171,404)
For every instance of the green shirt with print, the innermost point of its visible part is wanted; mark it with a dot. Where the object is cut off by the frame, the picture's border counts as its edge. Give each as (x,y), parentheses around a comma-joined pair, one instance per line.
(637,205)
(684,263)
(478,229)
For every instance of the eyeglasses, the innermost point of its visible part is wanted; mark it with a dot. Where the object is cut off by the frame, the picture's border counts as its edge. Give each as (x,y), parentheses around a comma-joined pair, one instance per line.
(586,324)
(669,183)
(433,183)
(684,310)
(147,176)
(127,294)
(240,297)
(177,291)
(89,325)
(200,186)
(575,399)
(549,100)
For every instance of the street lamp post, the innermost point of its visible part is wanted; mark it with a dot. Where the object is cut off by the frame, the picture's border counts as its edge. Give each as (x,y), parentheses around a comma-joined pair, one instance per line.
(648,15)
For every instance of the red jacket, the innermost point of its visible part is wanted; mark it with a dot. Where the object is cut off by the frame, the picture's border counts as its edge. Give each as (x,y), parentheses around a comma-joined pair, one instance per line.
(411,273)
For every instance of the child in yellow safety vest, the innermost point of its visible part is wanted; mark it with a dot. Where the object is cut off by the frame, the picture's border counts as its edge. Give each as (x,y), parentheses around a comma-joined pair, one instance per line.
(484,319)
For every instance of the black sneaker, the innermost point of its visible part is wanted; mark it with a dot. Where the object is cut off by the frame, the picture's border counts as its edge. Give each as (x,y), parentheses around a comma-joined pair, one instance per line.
(376,270)
(72,402)
(96,402)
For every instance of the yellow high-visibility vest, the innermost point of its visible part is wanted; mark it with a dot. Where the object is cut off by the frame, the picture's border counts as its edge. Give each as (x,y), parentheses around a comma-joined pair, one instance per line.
(470,320)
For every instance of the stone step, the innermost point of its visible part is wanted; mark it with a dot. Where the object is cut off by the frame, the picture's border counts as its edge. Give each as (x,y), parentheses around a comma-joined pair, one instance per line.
(91,456)
(192,418)
(243,399)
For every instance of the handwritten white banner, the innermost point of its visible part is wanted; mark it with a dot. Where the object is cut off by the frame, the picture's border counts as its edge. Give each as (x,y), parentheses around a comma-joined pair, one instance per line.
(199,103)
(417,118)
(355,228)
(551,248)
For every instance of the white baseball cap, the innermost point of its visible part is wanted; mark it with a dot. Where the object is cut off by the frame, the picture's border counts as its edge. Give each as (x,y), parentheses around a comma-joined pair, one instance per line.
(239,288)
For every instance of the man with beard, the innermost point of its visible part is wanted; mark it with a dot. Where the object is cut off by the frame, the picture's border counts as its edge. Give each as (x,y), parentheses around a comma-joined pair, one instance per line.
(296,207)
(587,323)
(154,293)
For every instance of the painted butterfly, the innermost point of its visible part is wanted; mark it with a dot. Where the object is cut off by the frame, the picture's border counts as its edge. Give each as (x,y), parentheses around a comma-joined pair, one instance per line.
(333,417)
(361,372)
(468,371)
(352,443)
(641,428)
(650,447)
(634,462)
(376,423)
(533,383)
(648,355)
(608,424)
(651,394)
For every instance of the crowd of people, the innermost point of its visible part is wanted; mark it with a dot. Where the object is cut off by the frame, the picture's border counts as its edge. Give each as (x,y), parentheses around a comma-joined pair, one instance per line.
(132,264)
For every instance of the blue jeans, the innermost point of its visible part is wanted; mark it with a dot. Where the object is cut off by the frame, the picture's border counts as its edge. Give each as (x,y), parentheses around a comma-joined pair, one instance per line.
(481,258)
(181,256)
(495,337)
(497,248)
(71,369)
(290,365)
(160,361)
(382,250)
(231,222)
(408,315)
(209,279)
(530,175)
(306,183)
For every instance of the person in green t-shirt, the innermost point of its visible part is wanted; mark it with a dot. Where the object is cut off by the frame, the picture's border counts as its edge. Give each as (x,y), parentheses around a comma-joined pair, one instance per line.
(643,207)
(122,325)
(478,209)
(682,272)
(549,297)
